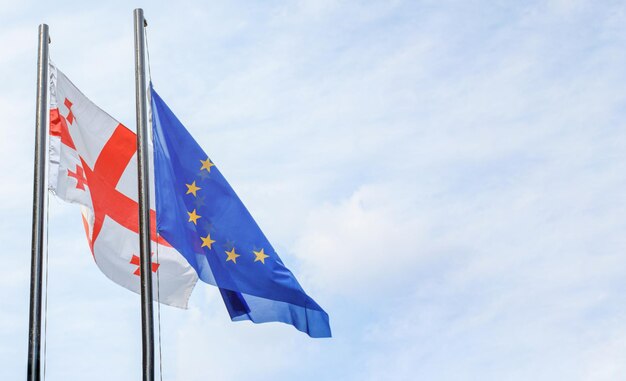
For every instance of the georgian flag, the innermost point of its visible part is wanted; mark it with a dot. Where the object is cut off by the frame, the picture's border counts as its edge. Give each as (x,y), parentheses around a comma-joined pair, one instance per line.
(92,162)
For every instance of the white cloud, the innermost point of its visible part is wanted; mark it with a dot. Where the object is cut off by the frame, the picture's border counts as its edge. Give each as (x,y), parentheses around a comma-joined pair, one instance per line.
(368,244)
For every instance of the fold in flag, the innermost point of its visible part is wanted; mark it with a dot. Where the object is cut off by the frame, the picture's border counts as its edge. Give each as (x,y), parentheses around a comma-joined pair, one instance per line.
(92,163)
(200,215)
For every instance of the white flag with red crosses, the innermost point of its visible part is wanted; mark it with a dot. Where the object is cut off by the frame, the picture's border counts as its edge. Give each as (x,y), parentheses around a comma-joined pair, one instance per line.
(93,164)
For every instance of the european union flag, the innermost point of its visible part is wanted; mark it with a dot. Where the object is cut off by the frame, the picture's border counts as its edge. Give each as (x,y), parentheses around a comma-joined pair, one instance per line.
(200,215)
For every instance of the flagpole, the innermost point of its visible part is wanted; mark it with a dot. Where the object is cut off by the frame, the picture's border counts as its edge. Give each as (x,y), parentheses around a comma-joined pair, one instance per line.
(147,321)
(34,330)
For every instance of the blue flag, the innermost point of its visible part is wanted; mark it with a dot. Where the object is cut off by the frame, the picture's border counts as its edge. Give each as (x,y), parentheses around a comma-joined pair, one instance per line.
(200,215)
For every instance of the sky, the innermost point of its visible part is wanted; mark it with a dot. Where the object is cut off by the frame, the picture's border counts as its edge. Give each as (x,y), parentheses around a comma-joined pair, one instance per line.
(445,178)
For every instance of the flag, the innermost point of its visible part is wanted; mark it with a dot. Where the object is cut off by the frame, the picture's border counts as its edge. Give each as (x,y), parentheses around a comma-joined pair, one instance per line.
(200,215)
(92,163)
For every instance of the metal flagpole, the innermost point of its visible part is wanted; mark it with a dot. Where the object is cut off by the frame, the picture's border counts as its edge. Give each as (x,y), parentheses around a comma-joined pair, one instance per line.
(34,331)
(147,321)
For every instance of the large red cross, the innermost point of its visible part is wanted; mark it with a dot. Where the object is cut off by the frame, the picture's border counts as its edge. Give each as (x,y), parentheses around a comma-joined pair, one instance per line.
(103,178)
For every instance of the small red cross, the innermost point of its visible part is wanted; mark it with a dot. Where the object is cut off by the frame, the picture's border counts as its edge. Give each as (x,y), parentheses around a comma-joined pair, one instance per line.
(135,261)
(70,115)
(79,175)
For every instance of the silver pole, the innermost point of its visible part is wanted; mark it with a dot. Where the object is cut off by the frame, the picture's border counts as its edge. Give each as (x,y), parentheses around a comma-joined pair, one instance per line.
(147,321)
(34,331)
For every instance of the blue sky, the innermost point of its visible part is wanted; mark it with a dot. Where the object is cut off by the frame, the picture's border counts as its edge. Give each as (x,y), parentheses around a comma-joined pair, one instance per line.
(445,178)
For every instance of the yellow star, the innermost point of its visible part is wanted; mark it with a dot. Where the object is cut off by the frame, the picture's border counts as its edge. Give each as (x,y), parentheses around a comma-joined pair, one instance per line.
(193,217)
(206,164)
(232,256)
(207,241)
(260,256)
(192,188)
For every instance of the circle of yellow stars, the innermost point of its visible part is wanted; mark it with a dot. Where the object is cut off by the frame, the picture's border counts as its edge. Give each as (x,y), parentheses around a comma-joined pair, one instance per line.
(231,256)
